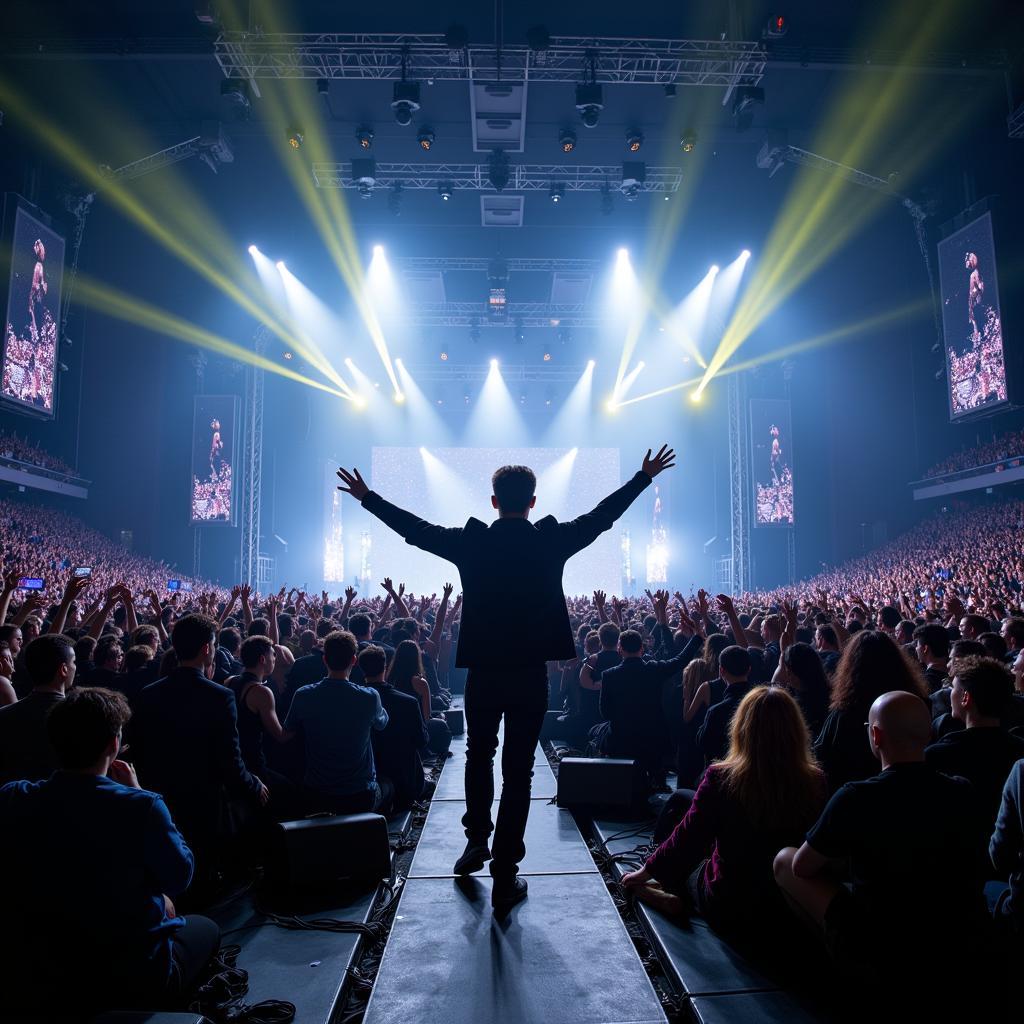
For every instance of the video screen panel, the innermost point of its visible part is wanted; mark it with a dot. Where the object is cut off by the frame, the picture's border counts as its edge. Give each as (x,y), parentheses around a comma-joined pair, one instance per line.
(448,485)
(33,315)
(771,460)
(215,425)
(971,320)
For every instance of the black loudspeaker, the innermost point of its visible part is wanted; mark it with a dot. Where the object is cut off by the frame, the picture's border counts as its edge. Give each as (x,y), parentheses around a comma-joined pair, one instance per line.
(328,848)
(456,721)
(598,782)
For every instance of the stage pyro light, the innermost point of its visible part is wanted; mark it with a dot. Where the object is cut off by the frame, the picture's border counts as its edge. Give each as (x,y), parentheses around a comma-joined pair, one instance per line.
(364,136)
(567,140)
(634,140)
(689,141)
(295,138)
(425,137)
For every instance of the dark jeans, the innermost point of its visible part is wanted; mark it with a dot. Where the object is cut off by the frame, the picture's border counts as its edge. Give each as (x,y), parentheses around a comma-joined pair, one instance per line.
(191,949)
(520,696)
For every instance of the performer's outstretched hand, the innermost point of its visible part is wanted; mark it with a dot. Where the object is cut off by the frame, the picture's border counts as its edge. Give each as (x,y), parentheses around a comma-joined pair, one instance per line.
(355,484)
(665,459)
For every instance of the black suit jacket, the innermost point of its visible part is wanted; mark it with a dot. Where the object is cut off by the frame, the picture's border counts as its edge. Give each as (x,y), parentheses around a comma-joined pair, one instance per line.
(184,739)
(513,607)
(713,735)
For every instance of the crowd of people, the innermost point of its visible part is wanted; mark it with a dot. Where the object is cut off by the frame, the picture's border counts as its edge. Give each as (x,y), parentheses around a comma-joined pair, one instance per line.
(1006,446)
(24,450)
(867,718)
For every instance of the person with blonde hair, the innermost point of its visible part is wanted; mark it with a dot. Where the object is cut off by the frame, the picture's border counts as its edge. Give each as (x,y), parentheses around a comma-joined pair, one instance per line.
(718,860)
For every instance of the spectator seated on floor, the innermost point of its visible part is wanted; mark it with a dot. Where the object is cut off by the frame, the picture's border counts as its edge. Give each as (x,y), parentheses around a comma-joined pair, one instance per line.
(98,862)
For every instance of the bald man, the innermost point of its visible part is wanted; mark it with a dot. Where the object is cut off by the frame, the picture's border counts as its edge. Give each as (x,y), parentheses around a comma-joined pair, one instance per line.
(908,838)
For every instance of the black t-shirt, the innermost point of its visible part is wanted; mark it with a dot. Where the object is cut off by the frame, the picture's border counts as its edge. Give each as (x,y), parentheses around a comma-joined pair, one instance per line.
(983,756)
(25,751)
(250,724)
(398,747)
(908,834)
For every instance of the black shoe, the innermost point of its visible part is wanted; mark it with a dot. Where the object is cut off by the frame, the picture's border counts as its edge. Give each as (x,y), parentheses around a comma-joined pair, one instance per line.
(505,895)
(473,858)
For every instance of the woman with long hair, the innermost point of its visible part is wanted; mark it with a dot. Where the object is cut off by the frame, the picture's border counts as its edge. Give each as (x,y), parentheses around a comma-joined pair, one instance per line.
(406,675)
(871,664)
(802,673)
(768,791)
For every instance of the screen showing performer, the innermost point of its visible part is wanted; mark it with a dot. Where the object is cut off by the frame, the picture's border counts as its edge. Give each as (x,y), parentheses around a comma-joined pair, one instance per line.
(771,454)
(33,314)
(213,459)
(971,321)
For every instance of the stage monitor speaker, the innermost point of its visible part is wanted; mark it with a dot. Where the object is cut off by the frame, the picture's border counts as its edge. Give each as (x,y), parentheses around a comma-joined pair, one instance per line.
(327,848)
(456,721)
(598,782)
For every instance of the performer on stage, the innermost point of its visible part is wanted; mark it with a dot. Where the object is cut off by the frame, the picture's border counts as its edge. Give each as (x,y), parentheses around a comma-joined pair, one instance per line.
(975,291)
(37,292)
(514,620)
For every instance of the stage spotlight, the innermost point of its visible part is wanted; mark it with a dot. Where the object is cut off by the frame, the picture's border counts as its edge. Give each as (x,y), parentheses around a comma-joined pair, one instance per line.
(622,254)
(610,406)
(395,200)
(713,269)
(364,136)
(591,364)
(745,254)
(235,93)
(547,357)
(323,86)
(398,361)
(589,103)
(567,140)
(253,250)
(365,191)
(280,265)
(349,363)
(695,396)
(423,451)
(288,355)
(745,99)
(444,356)
(557,192)
(405,99)
(378,251)
(777,27)
(639,365)
(295,138)
(399,397)
(494,364)
(688,141)
(444,190)
(634,140)
(425,137)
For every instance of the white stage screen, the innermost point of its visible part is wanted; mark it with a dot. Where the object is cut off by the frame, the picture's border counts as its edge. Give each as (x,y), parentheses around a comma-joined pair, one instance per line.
(448,485)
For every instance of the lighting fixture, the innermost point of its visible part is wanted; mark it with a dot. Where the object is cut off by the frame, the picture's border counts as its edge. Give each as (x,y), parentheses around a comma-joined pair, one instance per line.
(689,141)
(745,99)
(288,355)
(745,254)
(253,250)
(444,190)
(634,140)
(364,136)
(547,357)
(444,356)
(494,364)
(295,138)
(425,137)
(778,25)
(670,91)
(567,140)
(405,98)
(557,192)
(518,333)
(236,96)
(589,103)
(323,86)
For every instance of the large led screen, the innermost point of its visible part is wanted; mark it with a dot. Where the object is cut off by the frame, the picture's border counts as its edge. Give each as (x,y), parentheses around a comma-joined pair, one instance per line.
(214,447)
(771,458)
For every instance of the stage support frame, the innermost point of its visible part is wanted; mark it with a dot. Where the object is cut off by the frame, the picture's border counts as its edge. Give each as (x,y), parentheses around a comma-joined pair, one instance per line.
(739,485)
(251,492)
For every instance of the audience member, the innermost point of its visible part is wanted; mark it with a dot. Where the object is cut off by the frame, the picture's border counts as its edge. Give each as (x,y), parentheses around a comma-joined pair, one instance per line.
(802,673)
(764,794)
(98,861)
(25,749)
(406,676)
(335,718)
(184,739)
(398,748)
(1006,850)
(713,735)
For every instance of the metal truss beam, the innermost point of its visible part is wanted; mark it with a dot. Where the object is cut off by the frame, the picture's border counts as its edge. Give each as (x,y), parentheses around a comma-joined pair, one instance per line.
(251,491)
(1015,123)
(739,484)
(468,373)
(512,263)
(475,177)
(339,55)
(524,314)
